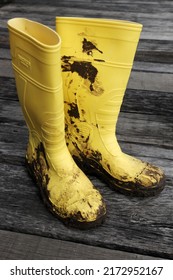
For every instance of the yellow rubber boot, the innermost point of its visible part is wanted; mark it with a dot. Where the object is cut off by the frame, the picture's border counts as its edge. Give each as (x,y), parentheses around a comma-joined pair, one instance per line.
(97,57)
(35,51)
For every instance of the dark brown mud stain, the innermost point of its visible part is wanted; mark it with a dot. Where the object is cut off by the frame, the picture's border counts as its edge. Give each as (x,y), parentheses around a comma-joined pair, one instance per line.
(84,69)
(88,47)
(66,127)
(38,169)
(91,166)
(108,166)
(83,138)
(65,59)
(83,112)
(73,111)
(87,139)
(40,166)
(40,153)
(95,155)
(99,60)
(151,172)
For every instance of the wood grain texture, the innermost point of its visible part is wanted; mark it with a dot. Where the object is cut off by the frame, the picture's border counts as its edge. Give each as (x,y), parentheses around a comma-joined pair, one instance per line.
(18,246)
(135,226)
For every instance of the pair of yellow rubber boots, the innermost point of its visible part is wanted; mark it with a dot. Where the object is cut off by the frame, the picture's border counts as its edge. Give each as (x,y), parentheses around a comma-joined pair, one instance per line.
(84,76)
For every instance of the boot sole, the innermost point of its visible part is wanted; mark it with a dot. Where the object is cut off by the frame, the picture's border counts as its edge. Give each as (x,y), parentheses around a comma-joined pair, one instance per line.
(67,221)
(91,167)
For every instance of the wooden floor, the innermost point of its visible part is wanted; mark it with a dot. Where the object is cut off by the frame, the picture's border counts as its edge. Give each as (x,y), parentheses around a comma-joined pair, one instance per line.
(135,228)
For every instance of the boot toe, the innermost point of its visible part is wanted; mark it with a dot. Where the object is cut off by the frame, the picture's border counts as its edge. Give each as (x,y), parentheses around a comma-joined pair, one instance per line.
(151,180)
(86,211)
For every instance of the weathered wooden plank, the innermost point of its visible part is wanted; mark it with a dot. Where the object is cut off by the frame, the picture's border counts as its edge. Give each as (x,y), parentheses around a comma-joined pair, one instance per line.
(126,216)
(144,7)
(14,141)
(143,80)
(4,2)
(156,17)
(145,125)
(145,65)
(8,89)
(135,101)
(151,81)
(135,225)
(145,221)
(126,133)
(6,68)
(144,122)
(145,129)
(18,246)
(154,51)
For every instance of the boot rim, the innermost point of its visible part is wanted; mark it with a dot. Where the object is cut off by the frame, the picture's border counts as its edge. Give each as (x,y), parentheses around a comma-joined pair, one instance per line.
(107,22)
(38,43)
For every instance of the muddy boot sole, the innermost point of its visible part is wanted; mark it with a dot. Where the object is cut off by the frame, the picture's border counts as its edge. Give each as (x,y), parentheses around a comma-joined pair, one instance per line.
(91,167)
(70,222)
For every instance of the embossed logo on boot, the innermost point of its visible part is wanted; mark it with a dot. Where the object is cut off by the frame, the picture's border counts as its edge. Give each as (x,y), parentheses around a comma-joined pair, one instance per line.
(25,62)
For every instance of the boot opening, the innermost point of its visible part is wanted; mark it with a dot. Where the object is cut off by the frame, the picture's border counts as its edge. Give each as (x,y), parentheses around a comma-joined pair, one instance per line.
(35,31)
